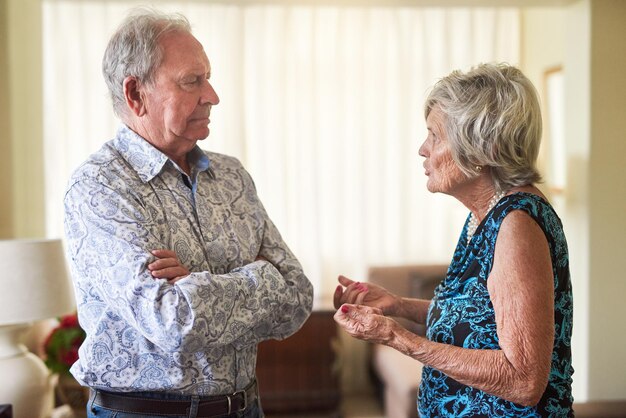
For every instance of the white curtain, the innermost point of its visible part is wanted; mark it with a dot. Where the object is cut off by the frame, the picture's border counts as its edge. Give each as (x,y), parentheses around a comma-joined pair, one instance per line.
(323,105)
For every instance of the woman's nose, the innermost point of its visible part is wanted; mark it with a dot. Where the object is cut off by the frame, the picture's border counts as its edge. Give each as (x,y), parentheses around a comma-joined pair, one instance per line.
(422,150)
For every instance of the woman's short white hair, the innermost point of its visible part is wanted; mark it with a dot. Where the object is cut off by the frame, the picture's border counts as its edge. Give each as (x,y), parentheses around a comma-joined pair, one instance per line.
(492,118)
(133,50)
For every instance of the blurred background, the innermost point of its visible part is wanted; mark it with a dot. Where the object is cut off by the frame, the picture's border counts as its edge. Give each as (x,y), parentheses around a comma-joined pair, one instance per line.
(322,101)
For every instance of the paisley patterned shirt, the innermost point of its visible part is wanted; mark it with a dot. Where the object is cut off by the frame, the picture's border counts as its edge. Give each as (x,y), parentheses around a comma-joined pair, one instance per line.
(199,335)
(461,314)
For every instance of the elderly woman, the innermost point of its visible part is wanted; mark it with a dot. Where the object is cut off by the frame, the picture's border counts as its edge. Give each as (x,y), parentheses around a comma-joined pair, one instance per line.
(498,328)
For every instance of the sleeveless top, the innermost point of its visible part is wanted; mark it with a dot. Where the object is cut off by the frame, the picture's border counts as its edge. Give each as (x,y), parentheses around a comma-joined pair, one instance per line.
(461,314)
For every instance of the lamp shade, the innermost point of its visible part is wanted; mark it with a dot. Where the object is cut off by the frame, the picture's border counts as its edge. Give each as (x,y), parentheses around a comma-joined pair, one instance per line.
(34,280)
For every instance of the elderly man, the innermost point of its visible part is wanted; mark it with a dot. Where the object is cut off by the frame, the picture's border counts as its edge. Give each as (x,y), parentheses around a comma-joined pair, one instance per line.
(178,270)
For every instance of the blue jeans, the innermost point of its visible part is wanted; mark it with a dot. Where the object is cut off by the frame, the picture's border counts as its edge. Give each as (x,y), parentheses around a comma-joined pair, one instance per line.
(94,411)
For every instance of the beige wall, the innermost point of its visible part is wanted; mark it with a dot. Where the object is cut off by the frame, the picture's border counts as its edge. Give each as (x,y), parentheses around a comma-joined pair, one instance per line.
(607,200)
(576,213)
(6,171)
(543,40)
(22,142)
(595,62)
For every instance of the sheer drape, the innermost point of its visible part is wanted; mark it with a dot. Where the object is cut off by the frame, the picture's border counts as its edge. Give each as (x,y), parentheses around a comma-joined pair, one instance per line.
(323,105)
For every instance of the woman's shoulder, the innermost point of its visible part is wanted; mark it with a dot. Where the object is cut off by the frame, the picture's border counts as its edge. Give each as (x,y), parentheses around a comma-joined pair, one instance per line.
(523,203)
(529,190)
(524,198)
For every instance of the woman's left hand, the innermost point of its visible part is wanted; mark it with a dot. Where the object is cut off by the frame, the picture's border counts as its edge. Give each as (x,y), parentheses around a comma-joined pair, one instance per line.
(365,323)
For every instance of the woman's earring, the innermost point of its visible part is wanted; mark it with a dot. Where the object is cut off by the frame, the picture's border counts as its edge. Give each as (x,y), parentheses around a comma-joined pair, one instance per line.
(479,168)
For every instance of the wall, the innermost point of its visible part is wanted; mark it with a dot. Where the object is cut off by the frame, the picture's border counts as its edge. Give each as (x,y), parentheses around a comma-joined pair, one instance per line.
(576,213)
(6,168)
(543,40)
(22,59)
(607,200)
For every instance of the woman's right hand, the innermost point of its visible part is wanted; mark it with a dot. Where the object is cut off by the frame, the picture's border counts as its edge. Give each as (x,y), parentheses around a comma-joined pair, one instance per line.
(367,294)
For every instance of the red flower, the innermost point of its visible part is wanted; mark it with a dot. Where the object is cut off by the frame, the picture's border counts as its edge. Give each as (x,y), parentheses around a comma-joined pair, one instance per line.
(61,346)
(69,321)
(69,356)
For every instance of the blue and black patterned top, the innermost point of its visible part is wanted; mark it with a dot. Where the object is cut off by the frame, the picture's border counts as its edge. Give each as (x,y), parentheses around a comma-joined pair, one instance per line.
(461,313)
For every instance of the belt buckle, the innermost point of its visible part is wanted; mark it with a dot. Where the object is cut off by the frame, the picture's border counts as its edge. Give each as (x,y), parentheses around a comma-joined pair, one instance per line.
(245,401)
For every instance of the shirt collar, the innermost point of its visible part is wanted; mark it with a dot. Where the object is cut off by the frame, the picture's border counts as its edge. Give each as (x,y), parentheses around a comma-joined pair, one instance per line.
(148,161)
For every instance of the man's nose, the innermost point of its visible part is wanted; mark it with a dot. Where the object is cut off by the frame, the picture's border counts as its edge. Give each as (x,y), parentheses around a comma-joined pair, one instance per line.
(209,95)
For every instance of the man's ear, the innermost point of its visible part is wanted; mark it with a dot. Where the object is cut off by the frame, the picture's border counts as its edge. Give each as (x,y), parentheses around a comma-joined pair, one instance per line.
(133,96)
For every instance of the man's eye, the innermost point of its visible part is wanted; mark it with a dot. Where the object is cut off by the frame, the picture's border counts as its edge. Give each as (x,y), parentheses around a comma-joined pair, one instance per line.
(192,81)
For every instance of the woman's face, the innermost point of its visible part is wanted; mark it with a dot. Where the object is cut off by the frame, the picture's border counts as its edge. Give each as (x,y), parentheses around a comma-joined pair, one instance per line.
(444,175)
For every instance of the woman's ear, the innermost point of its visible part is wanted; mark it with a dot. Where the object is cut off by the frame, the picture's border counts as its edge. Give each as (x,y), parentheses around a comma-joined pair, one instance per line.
(133,96)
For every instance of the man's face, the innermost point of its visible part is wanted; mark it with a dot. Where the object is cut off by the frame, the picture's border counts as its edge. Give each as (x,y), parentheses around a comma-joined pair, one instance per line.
(178,101)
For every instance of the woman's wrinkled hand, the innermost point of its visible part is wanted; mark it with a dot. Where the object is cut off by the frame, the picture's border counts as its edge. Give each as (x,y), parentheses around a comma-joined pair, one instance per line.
(367,294)
(365,323)
(167,266)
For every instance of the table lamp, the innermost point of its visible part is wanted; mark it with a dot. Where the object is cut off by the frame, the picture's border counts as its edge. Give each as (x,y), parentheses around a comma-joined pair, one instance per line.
(34,286)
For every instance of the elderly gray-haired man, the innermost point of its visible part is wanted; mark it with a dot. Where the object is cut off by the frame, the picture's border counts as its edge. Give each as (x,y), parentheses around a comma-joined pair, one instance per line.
(178,270)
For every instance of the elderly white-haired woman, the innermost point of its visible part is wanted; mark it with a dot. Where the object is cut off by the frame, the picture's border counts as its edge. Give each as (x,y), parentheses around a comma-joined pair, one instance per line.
(499,325)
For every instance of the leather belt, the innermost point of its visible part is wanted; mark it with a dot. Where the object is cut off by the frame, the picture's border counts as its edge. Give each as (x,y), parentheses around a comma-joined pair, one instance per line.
(208,407)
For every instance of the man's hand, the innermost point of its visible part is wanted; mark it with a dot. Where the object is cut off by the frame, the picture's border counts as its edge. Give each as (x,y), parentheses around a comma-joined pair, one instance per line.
(167,266)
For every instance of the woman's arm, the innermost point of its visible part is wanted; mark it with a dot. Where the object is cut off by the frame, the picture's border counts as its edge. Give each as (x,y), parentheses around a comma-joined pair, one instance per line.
(521,289)
(412,309)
